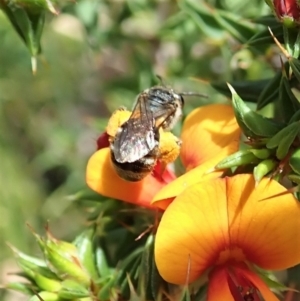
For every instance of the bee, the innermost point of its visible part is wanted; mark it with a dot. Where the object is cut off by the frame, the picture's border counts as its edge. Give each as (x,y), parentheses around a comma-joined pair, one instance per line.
(165,104)
(135,147)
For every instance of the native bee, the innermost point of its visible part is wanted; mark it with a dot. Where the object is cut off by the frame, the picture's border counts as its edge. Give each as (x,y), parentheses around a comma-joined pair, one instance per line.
(135,148)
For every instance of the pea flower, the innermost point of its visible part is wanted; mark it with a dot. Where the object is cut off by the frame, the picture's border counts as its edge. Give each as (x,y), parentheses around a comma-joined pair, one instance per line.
(209,134)
(221,229)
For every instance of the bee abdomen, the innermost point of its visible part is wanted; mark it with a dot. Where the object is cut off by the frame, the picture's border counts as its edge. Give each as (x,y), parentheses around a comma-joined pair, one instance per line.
(134,171)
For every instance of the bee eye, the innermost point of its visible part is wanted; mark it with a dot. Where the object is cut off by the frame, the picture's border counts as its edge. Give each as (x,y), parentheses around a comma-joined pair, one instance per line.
(182,100)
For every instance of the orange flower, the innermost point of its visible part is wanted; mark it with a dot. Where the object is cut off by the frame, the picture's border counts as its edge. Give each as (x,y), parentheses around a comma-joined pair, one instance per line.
(223,227)
(209,134)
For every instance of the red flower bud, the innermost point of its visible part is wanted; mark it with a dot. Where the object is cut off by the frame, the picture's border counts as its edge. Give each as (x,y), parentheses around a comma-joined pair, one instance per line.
(287,11)
(103,141)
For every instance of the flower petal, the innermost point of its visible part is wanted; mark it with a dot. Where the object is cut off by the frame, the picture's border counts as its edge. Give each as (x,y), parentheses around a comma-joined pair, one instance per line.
(220,220)
(201,173)
(192,232)
(102,178)
(264,225)
(206,132)
(103,141)
(257,282)
(219,286)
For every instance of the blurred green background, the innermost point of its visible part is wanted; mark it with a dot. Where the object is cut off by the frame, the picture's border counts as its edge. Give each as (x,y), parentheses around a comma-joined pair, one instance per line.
(96,56)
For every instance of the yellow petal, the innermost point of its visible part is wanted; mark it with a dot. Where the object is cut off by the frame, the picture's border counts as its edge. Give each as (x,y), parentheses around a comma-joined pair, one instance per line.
(266,226)
(201,173)
(102,178)
(192,232)
(207,132)
(220,220)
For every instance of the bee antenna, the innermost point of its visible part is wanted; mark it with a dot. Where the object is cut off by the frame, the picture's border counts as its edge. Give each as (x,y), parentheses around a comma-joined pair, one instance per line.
(160,79)
(193,94)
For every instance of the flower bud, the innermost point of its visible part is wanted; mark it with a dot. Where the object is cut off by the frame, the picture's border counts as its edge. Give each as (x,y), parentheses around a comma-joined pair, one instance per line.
(45,296)
(61,256)
(287,11)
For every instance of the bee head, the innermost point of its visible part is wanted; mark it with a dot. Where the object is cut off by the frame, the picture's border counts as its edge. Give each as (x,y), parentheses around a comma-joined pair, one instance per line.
(165,104)
(164,96)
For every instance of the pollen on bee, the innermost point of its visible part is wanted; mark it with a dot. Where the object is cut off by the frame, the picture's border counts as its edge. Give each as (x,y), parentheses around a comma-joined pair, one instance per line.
(116,120)
(169,147)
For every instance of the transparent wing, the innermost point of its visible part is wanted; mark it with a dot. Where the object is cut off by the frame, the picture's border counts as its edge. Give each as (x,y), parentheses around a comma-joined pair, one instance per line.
(163,115)
(162,102)
(137,136)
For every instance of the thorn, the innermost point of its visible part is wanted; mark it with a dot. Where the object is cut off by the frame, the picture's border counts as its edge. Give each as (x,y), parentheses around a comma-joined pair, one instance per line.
(33,65)
(145,232)
(210,170)
(188,274)
(52,8)
(288,191)
(283,50)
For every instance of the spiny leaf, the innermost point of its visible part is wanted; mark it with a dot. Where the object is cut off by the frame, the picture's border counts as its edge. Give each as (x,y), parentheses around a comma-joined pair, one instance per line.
(239,158)
(247,90)
(295,161)
(287,102)
(85,246)
(263,168)
(270,92)
(287,141)
(252,124)
(276,139)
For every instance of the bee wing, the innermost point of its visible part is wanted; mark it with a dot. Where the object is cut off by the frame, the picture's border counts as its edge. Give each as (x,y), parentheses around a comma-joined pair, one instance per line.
(163,107)
(137,136)
(162,115)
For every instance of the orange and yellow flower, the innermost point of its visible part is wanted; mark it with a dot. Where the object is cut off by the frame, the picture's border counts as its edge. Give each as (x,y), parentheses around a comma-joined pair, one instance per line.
(210,133)
(222,228)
